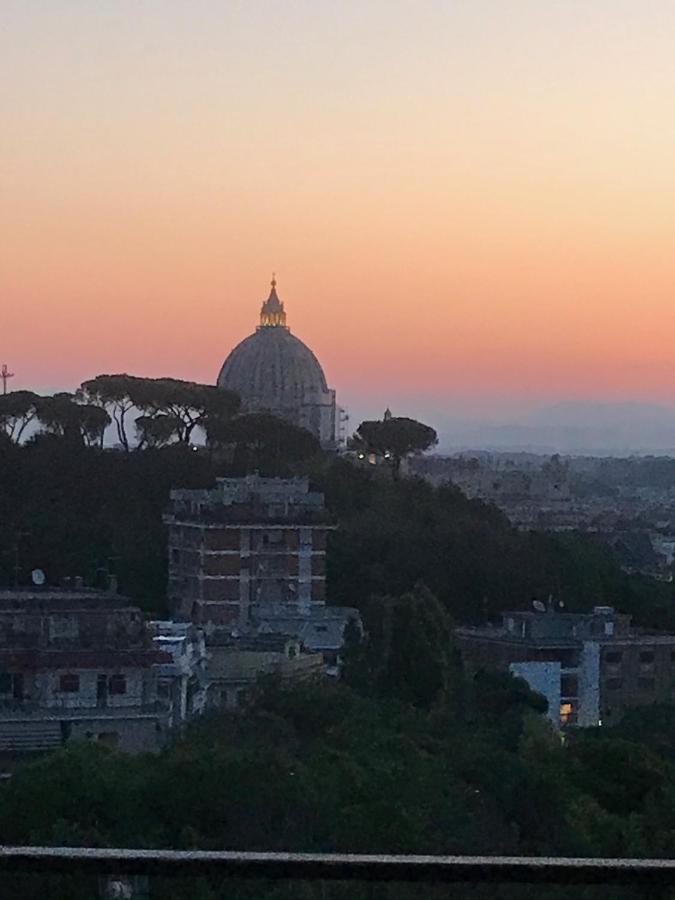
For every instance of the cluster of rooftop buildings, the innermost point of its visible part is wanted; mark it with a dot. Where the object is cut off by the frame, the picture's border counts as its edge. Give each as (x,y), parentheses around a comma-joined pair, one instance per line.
(590,667)
(247,591)
(638,523)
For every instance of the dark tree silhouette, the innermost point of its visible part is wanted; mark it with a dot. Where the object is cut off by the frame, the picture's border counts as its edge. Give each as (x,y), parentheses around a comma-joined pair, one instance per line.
(261,441)
(17,410)
(60,415)
(113,393)
(394,438)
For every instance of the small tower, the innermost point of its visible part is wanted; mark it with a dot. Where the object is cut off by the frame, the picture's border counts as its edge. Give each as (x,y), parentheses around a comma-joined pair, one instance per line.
(272,312)
(387,415)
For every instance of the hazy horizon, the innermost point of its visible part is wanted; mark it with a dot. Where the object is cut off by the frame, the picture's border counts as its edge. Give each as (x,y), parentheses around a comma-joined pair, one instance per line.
(592,427)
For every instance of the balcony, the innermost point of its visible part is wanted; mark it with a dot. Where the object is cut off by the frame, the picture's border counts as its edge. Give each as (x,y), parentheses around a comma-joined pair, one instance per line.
(140,867)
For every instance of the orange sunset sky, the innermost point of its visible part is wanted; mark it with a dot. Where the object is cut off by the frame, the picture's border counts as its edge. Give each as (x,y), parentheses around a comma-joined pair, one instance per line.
(466,203)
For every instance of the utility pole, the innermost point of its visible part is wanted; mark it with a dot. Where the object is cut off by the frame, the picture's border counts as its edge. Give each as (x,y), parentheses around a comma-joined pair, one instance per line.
(5,374)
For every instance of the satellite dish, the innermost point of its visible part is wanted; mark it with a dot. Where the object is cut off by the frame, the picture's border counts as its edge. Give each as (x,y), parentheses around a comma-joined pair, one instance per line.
(561,604)
(539,606)
(38,576)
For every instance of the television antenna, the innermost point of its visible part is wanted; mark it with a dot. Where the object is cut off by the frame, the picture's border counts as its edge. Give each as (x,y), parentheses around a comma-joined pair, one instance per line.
(5,374)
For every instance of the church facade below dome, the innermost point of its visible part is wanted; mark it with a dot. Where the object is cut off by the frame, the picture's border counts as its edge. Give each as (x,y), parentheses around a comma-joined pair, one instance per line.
(273,371)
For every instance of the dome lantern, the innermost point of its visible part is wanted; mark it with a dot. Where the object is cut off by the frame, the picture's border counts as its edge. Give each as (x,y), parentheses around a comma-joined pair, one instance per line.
(272,312)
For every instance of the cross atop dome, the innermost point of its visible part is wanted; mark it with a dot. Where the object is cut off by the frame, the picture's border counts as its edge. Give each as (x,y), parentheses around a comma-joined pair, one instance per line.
(272,312)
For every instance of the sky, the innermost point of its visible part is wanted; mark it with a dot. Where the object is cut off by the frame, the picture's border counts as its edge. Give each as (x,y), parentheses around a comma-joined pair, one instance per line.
(469,205)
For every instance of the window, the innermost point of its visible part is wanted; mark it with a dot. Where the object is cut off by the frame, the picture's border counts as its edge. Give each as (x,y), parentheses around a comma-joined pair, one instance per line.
(646,684)
(568,658)
(613,684)
(63,627)
(118,684)
(568,714)
(6,681)
(647,656)
(69,683)
(569,686)
(613,657)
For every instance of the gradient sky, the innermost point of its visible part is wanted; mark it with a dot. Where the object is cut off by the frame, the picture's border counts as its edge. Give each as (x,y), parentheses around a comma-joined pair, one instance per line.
(467,202)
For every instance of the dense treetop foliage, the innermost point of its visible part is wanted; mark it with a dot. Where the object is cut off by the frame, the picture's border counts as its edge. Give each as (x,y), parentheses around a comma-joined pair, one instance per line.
(338,768)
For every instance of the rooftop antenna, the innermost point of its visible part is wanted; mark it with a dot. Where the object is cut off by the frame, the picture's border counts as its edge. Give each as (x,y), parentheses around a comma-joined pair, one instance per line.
(5,374)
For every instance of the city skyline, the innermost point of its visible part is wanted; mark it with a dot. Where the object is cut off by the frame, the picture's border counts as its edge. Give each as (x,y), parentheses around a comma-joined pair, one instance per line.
(468,207)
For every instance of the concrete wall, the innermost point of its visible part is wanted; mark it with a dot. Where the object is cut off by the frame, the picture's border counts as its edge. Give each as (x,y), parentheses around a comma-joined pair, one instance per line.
(588,714)
(131,735)
(544,678)
(87,697)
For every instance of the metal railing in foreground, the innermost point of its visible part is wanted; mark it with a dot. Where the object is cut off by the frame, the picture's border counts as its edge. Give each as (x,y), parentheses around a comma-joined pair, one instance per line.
(339,867)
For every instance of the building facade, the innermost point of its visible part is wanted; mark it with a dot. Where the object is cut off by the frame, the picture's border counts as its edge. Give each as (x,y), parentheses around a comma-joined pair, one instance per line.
(591,667)
(247,563)
(77,664)
(248,547)
(273,371)
(236,663)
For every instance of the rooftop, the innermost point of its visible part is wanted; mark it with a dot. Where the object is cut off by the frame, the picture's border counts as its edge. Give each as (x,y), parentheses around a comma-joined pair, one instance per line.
(58,598)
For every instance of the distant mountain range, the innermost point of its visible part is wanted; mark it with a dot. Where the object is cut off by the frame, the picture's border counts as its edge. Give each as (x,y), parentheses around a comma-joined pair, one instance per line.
(573,428)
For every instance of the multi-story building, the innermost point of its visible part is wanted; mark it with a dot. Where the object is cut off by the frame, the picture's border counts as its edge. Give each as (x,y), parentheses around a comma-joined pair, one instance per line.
(77,664)
(248,559)
(589,666)
(247,547)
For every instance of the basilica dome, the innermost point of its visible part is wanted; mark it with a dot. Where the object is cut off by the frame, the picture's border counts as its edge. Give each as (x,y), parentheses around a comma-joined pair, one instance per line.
(274,371)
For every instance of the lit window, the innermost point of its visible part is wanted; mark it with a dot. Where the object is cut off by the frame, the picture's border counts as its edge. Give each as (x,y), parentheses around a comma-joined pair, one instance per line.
(566,712)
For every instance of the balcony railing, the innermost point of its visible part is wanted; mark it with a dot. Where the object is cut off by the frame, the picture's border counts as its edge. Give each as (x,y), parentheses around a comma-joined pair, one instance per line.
(652,874)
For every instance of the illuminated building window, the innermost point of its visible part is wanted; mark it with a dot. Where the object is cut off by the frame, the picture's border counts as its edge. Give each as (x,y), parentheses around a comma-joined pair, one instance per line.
(567,713)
